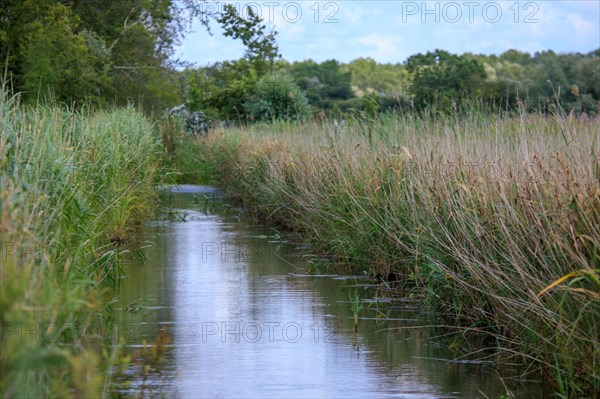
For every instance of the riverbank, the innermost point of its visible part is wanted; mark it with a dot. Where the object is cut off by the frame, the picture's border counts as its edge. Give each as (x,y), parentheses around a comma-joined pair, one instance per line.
(495,219)
(74,188)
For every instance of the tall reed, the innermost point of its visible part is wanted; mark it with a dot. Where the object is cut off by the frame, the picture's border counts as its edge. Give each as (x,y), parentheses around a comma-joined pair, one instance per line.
(495,218)
(73,186)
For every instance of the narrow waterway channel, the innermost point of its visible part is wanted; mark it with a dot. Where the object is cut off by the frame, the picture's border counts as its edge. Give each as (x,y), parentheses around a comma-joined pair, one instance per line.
(246,320)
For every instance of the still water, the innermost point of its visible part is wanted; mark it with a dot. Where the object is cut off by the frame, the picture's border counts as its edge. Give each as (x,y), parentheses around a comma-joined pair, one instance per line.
(246,320)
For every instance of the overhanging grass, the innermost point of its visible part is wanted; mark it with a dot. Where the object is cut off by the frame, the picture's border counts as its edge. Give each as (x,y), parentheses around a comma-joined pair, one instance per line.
(496,218)
(73,185)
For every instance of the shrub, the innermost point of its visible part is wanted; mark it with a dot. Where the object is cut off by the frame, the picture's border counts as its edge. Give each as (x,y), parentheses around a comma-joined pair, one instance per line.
(278,98)
(194,122)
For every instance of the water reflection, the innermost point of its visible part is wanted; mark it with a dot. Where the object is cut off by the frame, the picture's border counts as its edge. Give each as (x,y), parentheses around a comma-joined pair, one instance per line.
(246,321)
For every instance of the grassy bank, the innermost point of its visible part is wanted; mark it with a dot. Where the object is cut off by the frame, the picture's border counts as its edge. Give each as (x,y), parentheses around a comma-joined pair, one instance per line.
(73,187)
(495,219)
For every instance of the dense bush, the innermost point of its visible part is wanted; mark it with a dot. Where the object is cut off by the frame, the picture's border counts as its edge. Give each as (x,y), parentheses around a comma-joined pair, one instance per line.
(278,98)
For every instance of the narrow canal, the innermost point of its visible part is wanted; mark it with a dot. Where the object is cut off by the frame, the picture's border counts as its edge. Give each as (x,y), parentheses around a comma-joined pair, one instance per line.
(245,319)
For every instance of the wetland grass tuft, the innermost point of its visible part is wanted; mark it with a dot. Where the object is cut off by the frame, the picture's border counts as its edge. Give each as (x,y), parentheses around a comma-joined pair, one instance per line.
(73,187)
(495,218)
(356,306)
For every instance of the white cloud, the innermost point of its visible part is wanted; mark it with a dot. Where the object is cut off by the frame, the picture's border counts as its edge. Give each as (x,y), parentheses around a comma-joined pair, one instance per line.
(377,29)
(351,13)
(286,27)
(582,26)
(386,46)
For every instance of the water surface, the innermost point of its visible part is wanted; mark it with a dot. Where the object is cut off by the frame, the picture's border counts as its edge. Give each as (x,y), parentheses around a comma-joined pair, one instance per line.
(245,320)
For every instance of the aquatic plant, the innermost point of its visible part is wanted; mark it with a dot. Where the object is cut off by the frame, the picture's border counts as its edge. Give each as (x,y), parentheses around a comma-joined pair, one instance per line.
(73,187)
(356,306)
(495,218)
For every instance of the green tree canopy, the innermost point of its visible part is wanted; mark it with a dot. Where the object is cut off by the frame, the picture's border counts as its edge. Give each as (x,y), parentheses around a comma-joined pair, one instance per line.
(260,43)
(113,51)
(54,56)
(323,83)
(221,90)
(278,97)
(443,80)
(368,77)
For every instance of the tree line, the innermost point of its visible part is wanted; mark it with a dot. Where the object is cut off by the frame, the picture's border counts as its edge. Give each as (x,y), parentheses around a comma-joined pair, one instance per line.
(438,81)
(85,52)
(94,52)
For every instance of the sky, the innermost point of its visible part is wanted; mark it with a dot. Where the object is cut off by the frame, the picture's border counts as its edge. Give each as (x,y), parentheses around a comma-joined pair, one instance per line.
(391,31)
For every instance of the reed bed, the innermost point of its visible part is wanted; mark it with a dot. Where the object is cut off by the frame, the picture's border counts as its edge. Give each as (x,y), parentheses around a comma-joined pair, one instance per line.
(496,219)
(73,187)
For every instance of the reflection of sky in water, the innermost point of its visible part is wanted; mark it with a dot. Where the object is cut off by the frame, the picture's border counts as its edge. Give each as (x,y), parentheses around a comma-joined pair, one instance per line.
(217,284)
(223,306)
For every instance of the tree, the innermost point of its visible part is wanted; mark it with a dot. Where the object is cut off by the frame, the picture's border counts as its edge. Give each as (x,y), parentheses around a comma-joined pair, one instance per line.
(517,57)
(54,57)
(277,97)
(324,83)
(590,68)
(443,80)
(370,77)
(104,51)
(221,90)
(139,36)
(260,43)
(15,19)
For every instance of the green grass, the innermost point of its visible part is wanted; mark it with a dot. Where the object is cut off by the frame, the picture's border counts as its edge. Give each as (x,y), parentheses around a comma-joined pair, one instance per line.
(183,160)
(495,218)
(73,187)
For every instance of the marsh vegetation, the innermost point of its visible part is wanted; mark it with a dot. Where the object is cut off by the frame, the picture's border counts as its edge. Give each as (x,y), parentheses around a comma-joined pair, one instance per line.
(495,218)
(470,182)
(74,187)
